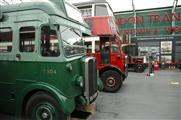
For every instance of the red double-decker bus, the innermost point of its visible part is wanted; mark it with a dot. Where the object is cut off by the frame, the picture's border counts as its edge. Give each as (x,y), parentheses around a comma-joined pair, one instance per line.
(105,44)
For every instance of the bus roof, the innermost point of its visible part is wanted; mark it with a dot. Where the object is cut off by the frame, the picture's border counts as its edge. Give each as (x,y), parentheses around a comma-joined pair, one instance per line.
(90,2)
(81,4)
(46,5)
(51,7)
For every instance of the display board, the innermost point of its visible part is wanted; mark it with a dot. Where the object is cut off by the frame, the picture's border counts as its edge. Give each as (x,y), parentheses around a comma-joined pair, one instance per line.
(150,21)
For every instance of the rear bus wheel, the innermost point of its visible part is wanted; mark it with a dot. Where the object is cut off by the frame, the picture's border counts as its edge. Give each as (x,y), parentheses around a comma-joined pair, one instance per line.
(139,68)
(112,81)
(42,106)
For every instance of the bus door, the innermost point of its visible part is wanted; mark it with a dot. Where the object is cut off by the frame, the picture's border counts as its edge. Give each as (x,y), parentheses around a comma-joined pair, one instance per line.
(104,50)
(116,57)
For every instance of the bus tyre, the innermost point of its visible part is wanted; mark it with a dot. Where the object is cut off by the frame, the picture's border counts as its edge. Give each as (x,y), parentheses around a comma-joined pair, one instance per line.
(42,106)
(139,68)
(112,81)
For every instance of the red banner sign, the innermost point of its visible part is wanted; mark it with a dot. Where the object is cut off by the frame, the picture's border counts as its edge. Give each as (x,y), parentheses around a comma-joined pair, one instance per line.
(152,19)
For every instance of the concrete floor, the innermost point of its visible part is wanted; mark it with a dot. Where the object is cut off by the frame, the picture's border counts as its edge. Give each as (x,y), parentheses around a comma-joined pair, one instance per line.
(141,97)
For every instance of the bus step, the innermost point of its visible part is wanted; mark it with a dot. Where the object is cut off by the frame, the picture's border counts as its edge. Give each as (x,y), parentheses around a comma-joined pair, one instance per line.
(84,112)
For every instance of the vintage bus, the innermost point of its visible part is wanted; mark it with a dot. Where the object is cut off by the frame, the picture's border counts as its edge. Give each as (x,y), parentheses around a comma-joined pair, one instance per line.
(44,72)
(106,43)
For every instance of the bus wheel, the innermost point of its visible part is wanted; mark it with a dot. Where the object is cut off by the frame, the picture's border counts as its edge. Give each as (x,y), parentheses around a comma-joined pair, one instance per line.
(42,106)
(112,81)
(139,68)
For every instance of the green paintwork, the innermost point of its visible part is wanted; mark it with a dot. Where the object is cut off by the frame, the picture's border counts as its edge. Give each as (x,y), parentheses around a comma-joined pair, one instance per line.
(32,73)
(100,84)
(147,24)
(52,77)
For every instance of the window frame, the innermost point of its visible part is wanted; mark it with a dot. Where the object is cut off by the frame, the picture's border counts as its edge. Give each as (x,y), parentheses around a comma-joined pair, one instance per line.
(40,41)
(62,44)
(99,5)
(27,32)
(10,28)
(85,8)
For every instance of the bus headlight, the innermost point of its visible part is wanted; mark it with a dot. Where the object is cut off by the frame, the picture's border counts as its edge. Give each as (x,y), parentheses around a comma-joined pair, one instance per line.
(79,81)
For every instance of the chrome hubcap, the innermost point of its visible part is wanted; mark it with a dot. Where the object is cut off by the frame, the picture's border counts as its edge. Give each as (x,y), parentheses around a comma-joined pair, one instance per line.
(111,82)
(44,115)
(45,112)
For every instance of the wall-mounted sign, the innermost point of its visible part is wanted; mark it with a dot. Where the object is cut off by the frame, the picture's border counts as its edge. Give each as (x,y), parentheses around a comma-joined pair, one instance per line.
(149,23)
(166,47)
(166,58)
(151,18)
(155,38)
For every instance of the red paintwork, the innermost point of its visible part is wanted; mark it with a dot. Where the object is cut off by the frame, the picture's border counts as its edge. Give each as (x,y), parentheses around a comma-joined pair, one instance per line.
(101,25)
(106,27)
(156,65)
(116,60)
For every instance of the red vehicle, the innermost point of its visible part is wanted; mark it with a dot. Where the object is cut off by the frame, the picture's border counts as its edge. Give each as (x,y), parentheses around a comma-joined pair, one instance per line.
(106,43)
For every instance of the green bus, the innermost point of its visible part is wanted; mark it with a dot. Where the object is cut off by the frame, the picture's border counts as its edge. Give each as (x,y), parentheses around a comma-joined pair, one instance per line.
(44,73)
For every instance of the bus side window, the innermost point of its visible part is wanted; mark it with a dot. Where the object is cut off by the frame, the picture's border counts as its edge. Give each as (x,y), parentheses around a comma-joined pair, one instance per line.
(97,47)
(27,39)
(101,10)
(6,35)
(115,48)
(86,11)
(49,42)
(88,47)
